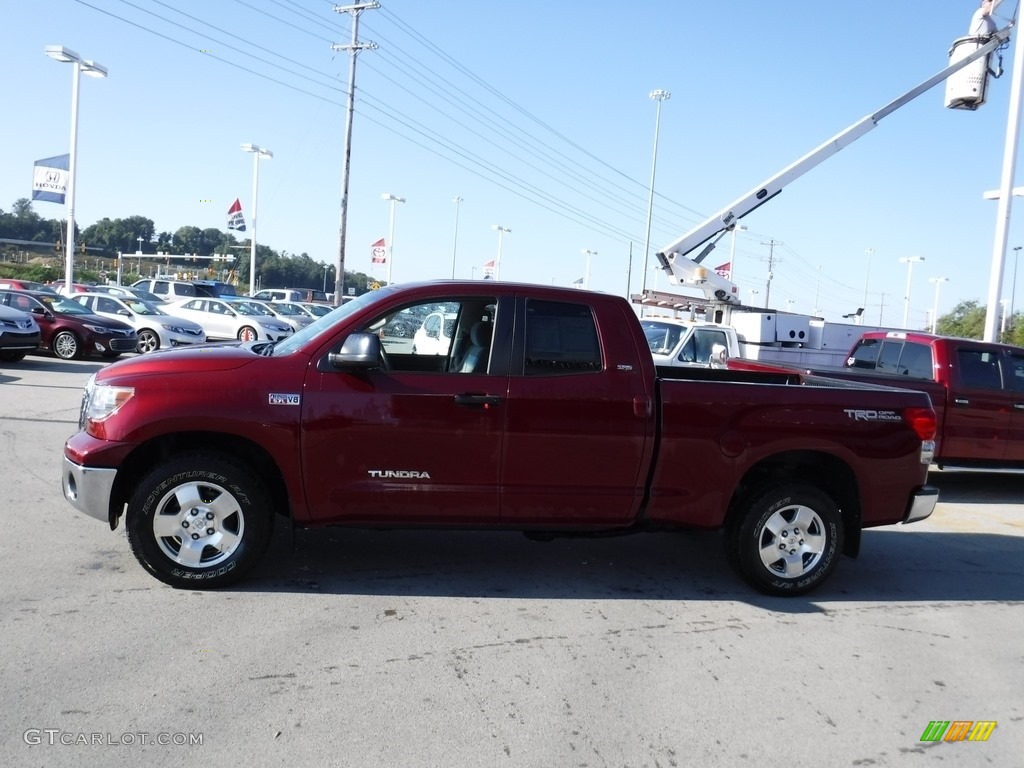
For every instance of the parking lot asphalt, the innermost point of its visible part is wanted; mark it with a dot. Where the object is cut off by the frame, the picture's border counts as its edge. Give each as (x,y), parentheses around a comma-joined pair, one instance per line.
(438,648)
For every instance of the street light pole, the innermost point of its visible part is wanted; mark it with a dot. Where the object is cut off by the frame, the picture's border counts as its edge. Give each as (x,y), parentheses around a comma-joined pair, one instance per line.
(1013,288)
(501,231)
(586,275)
(659,96)
(909,261)
(935,306)
(91,68)
(391,230)
(327,268)
(867,276)
(257,153)
(455,240)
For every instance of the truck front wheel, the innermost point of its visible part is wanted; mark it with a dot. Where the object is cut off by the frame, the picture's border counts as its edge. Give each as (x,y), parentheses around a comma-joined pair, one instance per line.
(789,540)
(199,521)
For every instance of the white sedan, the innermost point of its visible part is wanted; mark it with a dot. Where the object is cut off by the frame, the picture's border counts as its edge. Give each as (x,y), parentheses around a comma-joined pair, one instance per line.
(230,319)
(155,327)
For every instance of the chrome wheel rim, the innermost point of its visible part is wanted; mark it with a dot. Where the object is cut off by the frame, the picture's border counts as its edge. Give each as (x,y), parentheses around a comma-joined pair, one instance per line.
(198,524)
(148,342)
(792,541)
(65,346)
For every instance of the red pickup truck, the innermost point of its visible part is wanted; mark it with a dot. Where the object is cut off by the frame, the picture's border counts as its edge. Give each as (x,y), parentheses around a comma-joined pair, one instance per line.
(543,412)
(976,388)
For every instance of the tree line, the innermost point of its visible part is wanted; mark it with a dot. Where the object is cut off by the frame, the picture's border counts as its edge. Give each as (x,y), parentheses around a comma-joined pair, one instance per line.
(108,237)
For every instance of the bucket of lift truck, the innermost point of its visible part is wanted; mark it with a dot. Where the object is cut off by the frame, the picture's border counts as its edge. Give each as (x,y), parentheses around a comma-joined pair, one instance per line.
(965,89)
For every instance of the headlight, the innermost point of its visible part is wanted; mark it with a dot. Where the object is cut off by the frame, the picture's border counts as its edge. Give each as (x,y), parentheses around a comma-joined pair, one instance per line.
(172,328)
(102,401)
(98,329)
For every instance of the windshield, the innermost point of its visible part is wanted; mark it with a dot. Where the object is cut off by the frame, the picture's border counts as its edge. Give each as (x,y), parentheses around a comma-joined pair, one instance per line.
(63,305)
(324,324)
(143,307)
(248,308)
(662,337)
(287,308)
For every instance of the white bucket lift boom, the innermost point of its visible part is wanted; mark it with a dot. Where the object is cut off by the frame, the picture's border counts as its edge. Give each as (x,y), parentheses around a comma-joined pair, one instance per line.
(684,270)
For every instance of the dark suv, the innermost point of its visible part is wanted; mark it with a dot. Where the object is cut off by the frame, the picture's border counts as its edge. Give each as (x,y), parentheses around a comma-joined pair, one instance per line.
(70,330)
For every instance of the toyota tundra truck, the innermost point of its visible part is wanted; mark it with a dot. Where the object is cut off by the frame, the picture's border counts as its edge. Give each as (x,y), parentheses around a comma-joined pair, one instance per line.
(545,414)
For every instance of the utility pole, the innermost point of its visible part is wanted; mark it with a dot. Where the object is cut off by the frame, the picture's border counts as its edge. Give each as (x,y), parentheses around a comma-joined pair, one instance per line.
(772,242)
(353,49)
(881,309)
(455,240)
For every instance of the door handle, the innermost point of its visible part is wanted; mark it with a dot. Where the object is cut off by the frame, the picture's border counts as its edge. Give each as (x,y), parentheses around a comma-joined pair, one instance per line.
(961,401)
(1018,406)
(485,401)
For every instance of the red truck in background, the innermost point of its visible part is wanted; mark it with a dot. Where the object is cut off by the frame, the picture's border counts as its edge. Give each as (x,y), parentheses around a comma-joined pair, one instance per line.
(544,413)
(976,388)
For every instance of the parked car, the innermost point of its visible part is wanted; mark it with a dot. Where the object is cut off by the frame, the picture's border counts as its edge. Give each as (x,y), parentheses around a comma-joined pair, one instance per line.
(58,286)
(173,290)
(70,330)
(9,283)
(226,319)
(434,337)
(155,327)
(290,294)
(314,310)
(285,311)
(19,334)
(127,291)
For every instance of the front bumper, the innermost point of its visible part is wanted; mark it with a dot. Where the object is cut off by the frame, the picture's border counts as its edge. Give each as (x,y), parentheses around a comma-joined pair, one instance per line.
(922,503)
(88,489)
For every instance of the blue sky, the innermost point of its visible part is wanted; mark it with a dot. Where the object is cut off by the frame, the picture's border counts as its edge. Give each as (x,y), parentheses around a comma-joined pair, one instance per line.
(539,118)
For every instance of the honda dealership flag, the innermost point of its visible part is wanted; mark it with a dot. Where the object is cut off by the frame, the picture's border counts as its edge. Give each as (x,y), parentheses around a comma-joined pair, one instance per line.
(379,252)
(50,178)
(725,270)
(235,218)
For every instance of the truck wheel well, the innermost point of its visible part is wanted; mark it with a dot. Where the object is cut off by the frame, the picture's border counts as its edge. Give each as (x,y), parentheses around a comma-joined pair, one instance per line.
(147,455)
(821,470)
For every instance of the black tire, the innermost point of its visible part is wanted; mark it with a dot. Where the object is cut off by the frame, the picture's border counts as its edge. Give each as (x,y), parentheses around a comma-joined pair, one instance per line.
(149,341)
(12,357)
(247,333)
(801,525)
(67,346)
(227,500)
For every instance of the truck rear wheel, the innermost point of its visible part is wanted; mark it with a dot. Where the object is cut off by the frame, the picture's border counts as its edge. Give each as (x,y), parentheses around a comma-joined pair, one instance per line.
(199,521)
(789,540)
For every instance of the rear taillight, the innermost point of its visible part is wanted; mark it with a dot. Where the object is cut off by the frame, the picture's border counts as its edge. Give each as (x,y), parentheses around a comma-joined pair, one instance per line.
(923,422)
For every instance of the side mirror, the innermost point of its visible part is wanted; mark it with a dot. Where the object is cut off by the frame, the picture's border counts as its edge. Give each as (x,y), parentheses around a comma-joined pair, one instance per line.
(360,351)
(719,357)
(124,312)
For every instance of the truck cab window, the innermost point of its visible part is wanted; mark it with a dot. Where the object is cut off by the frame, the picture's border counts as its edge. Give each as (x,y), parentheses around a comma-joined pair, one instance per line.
(561,338)
(864,355)
(916,361)
(978,369)
(1013,365)
(438,336)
